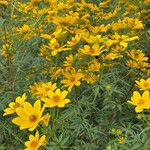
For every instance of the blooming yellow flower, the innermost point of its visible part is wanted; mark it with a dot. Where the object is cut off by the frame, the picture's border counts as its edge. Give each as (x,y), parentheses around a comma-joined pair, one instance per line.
(141,102)
(41,89)
(137,64)
(59,33)
(34,142)
(72,79)
(56,98)
(137,55)
(94,66)
(24,29)
(29,116)
(143,84)
(56,48)
(13,106)
(95,50)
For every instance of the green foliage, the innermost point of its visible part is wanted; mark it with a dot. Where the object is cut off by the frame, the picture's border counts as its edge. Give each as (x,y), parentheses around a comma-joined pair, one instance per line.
(95,109)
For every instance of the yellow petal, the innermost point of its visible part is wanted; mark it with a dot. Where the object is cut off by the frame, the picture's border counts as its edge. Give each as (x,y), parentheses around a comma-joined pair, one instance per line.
(41,141)
(124,44)
(138,109)
(37,106)
(28,108)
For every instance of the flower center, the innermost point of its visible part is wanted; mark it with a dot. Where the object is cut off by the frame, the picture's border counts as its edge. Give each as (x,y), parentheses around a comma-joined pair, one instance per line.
(56,98)
(33,118)
(47,89)
(136,55)
(16,105)
(146,84)
(33,144)
(141,101)
(91,50)
(72,79)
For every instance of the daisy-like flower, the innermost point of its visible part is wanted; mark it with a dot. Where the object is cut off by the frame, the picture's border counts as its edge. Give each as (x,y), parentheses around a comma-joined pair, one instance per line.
(137,55)
(13,106)
(141,102)
(143,84)
(24,29)
(29,116)
(56,98)
(95,50)
(35,142)
(72,79)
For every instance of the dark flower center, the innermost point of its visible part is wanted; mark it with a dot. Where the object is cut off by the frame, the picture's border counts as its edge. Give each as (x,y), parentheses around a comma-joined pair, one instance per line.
(33,118)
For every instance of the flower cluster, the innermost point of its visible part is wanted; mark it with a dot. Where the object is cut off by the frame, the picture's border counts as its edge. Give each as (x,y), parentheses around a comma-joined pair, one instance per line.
(79,42)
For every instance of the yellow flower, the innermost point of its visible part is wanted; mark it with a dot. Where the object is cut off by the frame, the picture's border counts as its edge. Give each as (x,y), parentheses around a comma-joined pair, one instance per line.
(94,66)
(90,77)
(143,84)
(137,64)
(56,98)
(121,140)
(111,14)
(29,116)
(95,50)
(35,1)
(112,56)
(75,40)
(69,61)
(13,106)
(121,39)
(104,4)
(24,29)
(137,55)
(46,119)
(89,38)
(72,79)
(141,102)
(41,89)
(56,48)
(34,142)
(55,35)
(3,2)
